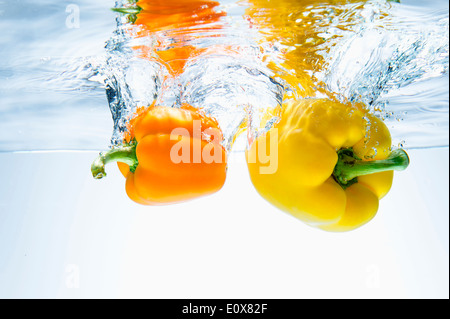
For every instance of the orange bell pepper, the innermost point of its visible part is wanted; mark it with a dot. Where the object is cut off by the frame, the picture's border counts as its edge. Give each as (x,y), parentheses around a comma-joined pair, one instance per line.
(181,21)
(170,155)
(174,14)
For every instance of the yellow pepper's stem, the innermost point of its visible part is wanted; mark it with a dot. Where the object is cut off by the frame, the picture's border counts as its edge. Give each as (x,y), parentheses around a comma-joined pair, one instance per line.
(349,167)
(125,154)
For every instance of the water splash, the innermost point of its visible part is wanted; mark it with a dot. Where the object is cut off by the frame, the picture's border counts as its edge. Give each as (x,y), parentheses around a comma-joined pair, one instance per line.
(398,65)
(358,51)
(393,57)
(223,75)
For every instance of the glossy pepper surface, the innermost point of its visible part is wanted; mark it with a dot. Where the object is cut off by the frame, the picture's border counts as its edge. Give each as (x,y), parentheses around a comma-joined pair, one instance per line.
(334,163)
(170,155)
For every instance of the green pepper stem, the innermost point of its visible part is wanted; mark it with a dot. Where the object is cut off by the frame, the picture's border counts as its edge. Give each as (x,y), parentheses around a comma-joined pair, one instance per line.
(125,154)
(129,10)
(350,167)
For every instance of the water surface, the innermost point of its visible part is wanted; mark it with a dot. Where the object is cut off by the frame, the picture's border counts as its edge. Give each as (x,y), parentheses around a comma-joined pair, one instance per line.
(69,84)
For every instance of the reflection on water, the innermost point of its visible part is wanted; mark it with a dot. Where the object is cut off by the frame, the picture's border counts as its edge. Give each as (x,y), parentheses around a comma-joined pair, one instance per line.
(237,60)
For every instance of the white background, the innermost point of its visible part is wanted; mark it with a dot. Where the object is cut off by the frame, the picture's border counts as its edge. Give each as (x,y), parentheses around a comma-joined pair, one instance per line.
(65,235)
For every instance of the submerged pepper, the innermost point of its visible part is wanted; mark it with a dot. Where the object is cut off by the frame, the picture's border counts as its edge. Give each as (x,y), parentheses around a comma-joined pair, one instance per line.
(170,155)
(333,163)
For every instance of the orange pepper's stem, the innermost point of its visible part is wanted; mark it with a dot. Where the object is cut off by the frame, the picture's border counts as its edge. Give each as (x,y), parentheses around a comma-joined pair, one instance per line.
(349,167)
(125,154)
(131,12)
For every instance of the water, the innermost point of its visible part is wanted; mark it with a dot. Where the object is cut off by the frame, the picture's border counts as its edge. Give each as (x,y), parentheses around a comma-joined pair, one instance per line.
(68,85)
(393,57)
(327,43)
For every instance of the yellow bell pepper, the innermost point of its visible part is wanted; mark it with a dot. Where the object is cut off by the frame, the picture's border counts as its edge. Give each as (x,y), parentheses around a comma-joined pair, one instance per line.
(334,163)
